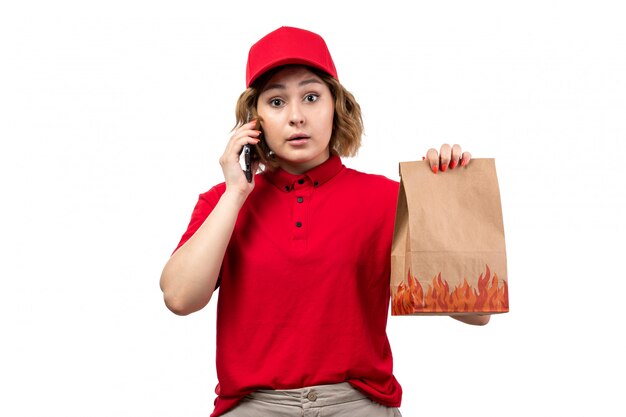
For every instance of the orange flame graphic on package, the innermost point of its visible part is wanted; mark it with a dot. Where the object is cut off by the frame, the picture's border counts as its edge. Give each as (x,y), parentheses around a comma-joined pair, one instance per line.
(489,297)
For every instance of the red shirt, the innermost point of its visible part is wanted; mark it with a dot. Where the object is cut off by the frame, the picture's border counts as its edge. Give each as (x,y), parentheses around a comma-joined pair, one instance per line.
(304,286)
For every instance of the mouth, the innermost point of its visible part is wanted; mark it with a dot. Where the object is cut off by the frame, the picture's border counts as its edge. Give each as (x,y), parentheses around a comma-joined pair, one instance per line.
(298,137)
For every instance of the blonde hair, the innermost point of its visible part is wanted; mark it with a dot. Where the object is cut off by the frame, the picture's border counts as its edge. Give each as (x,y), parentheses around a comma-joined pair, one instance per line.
(345,139)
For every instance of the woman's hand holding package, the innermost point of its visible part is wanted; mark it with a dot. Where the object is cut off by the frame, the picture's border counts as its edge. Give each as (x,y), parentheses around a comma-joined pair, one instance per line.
(449,157)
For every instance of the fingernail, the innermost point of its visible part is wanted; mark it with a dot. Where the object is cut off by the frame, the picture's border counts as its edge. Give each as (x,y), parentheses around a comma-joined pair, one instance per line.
(423,157)
(444,167)
(463,162)
(453,164)
(434,169)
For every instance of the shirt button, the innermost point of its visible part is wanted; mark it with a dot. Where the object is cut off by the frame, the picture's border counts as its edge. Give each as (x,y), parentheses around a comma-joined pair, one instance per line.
(301,181)
(312,396)
(300,199)
(298,224)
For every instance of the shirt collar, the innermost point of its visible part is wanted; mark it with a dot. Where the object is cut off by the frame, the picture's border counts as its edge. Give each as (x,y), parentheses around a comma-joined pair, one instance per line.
(316,176)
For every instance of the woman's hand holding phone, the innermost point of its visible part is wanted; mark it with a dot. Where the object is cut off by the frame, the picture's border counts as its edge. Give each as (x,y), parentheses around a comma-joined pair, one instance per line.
(234,176)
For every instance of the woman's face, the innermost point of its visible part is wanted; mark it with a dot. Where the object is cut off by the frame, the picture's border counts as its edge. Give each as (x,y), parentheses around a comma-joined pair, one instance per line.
(297,108)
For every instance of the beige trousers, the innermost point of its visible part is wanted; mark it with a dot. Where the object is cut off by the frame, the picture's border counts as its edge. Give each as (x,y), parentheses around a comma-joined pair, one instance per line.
(336,400)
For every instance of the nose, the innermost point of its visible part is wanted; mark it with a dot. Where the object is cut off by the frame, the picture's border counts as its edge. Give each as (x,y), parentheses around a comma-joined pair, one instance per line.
(296,116)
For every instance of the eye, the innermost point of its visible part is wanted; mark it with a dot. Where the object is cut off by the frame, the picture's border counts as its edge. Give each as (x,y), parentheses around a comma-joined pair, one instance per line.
(311,98)
(276,102)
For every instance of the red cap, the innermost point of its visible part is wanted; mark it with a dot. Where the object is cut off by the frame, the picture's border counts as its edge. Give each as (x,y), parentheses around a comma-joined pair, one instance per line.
(288,45)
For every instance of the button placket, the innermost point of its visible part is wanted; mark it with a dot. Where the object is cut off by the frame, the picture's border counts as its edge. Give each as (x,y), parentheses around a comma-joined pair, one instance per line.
(302,190)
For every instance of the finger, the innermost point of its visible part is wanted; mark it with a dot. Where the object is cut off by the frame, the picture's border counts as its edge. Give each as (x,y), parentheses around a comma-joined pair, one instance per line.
(237,145)
(253,123)
(433,159)
(466,158)
(456,156)
(243,135)
(248,126)
(234,148)
(444,156)
(245,130)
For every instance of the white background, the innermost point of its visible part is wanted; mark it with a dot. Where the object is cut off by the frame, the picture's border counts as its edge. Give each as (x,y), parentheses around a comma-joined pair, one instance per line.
(113,116)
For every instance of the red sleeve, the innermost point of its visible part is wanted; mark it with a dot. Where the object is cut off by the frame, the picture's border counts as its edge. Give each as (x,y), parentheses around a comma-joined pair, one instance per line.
(205,205)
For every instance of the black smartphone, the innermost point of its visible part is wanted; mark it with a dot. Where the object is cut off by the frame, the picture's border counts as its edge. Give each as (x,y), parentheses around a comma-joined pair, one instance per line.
(247,156)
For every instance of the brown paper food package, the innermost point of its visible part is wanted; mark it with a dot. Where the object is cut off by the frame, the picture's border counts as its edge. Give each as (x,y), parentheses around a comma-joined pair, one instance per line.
(448,253)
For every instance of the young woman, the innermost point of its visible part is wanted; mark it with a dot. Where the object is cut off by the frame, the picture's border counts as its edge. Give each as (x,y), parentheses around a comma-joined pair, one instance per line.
(302,252)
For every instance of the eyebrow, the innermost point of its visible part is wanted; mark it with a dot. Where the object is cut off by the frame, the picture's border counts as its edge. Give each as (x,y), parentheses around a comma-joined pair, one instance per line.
(300,84)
